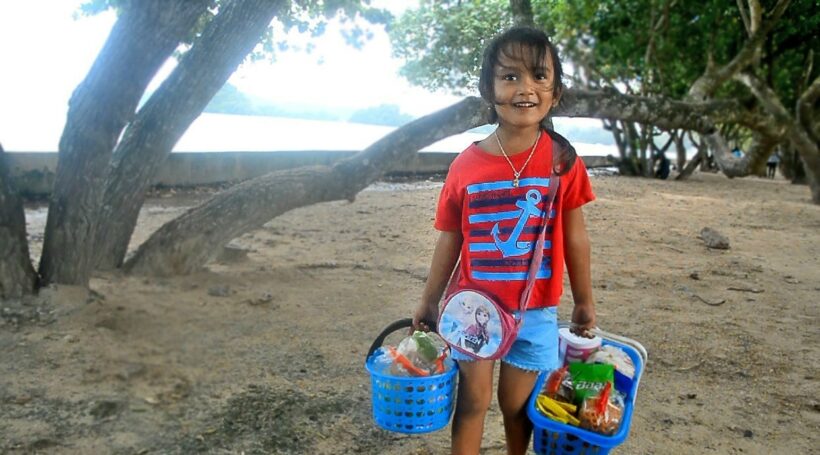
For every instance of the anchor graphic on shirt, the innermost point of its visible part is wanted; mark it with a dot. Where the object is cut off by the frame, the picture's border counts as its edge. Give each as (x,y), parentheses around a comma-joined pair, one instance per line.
(511,246)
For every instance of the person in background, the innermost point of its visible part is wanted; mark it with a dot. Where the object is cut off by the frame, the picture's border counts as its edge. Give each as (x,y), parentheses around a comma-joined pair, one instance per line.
(771,165)
(662,170)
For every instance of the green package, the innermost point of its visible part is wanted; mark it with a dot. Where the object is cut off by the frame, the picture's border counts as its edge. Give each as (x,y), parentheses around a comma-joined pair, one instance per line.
(589,378)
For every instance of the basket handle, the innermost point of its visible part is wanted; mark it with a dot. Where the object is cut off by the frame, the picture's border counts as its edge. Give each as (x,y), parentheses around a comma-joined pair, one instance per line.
(619,338)
(394,326)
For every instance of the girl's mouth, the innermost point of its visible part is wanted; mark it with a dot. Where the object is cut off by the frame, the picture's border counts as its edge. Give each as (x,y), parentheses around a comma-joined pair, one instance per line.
(524,104)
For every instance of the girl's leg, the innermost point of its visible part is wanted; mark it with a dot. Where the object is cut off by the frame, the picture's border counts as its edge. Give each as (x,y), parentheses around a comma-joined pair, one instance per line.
(475,391)
(514,388)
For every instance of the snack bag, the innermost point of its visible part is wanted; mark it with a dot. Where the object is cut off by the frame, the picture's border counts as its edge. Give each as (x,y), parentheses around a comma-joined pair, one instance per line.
(419,355)
(559,385)
(601,413)
(616,357)
(590,378)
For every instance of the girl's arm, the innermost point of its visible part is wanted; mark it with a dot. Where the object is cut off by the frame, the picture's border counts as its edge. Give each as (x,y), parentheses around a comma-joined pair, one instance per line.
(577,256)
(444,259)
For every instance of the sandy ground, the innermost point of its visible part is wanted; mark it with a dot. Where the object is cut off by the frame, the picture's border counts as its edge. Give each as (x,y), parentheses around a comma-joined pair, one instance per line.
(263,351)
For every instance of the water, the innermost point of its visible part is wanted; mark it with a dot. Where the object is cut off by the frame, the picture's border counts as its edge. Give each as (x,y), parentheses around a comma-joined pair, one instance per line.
(227,133)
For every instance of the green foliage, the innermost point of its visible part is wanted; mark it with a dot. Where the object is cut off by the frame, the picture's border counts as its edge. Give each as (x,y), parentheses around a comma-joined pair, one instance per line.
(307,17)
(384,114)
(442,41)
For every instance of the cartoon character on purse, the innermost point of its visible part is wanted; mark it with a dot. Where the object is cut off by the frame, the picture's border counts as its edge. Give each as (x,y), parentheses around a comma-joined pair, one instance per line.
(471,322)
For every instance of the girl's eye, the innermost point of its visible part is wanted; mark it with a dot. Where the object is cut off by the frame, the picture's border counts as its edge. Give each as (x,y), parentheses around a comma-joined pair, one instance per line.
(541,77)
(509,77)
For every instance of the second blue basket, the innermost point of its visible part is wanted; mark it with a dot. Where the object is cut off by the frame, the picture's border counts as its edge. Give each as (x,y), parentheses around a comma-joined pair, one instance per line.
(410,404)
(551,437)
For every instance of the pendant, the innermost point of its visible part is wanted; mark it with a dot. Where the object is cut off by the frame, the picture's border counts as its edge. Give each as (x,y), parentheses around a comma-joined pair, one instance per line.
(515,182)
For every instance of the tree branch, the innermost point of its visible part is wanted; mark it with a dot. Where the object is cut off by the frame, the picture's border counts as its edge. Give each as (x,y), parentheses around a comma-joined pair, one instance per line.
(712,78)
(186,243)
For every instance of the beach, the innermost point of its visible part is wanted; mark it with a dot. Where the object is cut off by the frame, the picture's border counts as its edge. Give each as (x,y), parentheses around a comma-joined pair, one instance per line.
(263,351)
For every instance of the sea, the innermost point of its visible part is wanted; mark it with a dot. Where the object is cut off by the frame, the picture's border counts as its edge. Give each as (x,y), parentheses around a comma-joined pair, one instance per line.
(212,132)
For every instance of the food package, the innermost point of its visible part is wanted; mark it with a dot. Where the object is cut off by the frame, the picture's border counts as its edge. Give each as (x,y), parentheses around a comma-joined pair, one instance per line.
(556,409)
(417,355)
(616,357)
(589,378)
(602,412)
(559,385)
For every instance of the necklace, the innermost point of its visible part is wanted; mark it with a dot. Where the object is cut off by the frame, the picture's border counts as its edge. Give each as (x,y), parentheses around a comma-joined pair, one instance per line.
(516,174)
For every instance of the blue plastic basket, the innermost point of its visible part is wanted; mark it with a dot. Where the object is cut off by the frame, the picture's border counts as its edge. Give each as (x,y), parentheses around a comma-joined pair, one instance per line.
(410,404)
(551,437)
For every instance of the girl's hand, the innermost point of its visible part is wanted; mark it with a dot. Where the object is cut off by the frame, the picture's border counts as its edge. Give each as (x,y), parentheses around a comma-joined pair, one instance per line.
(424,312)
(583,320)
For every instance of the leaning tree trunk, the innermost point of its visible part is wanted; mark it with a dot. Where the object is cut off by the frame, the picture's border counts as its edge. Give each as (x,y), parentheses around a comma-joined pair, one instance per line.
(144,36)
(801,138)
(148,141)
(186,243)
(17,277)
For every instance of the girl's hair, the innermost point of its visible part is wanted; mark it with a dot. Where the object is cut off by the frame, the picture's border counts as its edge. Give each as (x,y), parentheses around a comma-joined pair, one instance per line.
(532,46)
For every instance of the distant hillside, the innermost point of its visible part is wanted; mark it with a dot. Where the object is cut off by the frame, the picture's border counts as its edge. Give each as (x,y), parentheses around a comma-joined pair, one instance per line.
(384,114)
(230,100)
(573,131)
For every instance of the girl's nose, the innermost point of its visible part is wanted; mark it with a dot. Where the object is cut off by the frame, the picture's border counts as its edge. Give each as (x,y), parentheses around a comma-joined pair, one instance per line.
(526,85)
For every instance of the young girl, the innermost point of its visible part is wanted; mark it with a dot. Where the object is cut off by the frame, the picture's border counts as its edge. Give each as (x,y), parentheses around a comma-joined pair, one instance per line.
(480,221)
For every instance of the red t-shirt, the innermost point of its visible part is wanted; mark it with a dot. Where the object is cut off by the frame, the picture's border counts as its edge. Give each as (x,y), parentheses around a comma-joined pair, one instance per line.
(500,223)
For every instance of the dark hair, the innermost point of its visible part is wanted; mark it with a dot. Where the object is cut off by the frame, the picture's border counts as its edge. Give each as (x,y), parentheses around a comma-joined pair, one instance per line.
(531,46)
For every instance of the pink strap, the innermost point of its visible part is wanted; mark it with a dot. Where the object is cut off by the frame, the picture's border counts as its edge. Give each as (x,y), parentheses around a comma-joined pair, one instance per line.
(538,253)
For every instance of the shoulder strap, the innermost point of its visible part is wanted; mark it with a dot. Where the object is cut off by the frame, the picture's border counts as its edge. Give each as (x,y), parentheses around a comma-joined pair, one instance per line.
(538,252)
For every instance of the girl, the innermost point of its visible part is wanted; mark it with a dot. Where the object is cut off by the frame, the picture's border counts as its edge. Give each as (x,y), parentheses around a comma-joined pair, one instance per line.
(482,218)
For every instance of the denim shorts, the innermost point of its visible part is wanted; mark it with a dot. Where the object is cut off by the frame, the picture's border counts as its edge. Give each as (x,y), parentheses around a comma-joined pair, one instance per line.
(536,347)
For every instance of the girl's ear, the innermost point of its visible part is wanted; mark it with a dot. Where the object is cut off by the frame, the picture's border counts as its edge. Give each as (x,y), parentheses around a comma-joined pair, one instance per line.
(557,99)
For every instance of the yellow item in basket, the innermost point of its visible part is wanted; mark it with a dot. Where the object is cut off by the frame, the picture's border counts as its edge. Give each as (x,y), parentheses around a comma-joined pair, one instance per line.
(556,410)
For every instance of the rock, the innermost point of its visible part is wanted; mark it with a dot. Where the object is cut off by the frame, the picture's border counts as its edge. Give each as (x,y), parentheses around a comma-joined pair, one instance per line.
(232,254)
(714,239)
(221,290)
(103,409)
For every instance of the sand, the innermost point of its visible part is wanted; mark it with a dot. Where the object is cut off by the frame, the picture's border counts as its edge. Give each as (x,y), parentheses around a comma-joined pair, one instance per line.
(263,351)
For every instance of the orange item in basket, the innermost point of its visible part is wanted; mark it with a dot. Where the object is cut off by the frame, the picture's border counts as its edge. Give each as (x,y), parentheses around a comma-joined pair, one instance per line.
(599,414)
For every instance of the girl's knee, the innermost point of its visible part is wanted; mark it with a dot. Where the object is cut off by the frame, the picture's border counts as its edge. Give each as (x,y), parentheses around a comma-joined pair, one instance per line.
(512,409)
(473,400)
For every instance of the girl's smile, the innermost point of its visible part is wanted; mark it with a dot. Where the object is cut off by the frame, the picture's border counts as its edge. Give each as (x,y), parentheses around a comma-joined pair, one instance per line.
(523,93)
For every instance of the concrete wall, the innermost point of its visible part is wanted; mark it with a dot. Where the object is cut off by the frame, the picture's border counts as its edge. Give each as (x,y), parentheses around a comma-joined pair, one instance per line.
(33,173)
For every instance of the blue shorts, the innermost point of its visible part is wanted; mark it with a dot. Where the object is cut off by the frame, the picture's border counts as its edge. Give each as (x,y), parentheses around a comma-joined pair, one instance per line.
(536,348)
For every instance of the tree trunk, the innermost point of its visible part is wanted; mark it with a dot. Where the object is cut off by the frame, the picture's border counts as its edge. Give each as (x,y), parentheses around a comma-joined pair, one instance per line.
(148,141)
(791,166)
(681,150)
(188,242)
(17,277)
(698,159)
(144,36)
(522,12)
(797,135)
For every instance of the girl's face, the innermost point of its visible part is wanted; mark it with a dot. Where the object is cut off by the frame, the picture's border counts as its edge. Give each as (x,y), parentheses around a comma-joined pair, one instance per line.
(524,96)
(482,317)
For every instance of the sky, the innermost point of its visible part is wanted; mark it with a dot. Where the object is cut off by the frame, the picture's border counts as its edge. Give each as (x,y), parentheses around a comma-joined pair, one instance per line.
(47,51)
(55,51)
